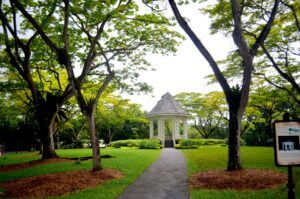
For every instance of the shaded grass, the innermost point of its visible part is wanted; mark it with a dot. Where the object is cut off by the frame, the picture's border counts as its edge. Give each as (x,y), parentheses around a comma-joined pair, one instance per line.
(207,158)
(16,158)
(131,162)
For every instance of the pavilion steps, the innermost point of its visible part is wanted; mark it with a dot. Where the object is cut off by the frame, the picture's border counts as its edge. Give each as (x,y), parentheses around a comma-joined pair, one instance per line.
(169,144)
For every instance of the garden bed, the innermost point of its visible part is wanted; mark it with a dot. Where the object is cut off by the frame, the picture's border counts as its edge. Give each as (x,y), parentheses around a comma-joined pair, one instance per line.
(246,179)
(57,184)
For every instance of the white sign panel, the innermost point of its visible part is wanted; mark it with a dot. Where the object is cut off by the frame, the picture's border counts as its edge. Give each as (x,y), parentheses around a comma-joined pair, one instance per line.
(287,143)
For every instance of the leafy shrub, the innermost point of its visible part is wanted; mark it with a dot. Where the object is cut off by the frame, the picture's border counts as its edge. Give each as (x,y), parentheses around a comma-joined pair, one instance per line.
(257,138)
(77,144)
(194,143)
(178,146)
(150,144)
(126,143)
(142,144)
(243,142)
(200,142)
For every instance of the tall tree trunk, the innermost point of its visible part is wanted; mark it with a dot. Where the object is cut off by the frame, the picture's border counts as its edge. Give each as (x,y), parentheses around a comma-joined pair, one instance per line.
(46,123)
(109,135)
(234,162)
(95,142)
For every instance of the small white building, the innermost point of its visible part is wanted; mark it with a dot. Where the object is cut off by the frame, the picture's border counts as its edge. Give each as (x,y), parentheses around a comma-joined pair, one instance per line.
(168,121)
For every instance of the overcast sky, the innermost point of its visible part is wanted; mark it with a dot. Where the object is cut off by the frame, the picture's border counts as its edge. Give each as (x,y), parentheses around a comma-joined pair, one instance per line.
(186,71)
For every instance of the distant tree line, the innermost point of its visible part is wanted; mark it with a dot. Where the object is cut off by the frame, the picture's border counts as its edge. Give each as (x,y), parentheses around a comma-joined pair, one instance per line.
(210,114)
(116,119)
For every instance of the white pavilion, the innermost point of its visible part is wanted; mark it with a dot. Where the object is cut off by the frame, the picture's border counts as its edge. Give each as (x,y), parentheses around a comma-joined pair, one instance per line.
(168,121)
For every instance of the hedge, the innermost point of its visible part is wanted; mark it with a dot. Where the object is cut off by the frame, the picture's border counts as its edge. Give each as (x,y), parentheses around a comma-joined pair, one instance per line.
(142,144)
(194,143)
(150,144)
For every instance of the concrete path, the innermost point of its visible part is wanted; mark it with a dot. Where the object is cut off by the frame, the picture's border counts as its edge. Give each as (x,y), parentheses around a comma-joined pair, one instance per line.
(164,179)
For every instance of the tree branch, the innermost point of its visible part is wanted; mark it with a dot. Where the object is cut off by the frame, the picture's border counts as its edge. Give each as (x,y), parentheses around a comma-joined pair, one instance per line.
(184,25)
(294,13)
(66,24)
(283,88)
(288,78)
(264,33)
(39,29)
(237,34)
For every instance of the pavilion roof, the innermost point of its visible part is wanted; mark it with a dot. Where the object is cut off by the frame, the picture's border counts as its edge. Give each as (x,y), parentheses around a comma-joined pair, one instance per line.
(167,105)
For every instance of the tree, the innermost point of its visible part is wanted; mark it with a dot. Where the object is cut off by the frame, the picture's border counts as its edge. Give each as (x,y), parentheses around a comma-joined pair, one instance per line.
(279,58)
(208,111)
(237,97)
(25,56)
(108,43)
(117,116)
(266,105)
(17,125)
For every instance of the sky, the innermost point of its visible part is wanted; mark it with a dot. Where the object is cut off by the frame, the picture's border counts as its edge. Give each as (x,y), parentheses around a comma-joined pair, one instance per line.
(186,71)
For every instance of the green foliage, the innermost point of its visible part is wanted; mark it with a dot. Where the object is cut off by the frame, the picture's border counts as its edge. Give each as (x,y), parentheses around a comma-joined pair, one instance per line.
(178,146)
(99,34)
(257,137)
(278,63)
(221,15)
(76,144)
(125,143)
(119,119)
(266,105)
(150,144)
(208,112)
(142,144)
(193,133)
(195,143)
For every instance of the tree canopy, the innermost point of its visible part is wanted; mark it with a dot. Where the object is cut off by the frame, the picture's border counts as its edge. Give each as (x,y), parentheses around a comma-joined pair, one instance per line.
(87,42)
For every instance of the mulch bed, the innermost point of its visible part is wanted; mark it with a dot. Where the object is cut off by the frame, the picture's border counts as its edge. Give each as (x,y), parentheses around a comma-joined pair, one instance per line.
(57,184)
(15,167)
(246,179)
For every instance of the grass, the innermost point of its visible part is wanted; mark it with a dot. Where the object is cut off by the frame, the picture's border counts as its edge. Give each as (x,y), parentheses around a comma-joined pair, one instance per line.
(20,157)
(215,157)
(132,162)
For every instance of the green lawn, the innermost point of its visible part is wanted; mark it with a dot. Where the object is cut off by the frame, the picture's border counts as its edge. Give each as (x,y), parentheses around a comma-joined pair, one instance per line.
(15,158)
(132,162)
(214,157)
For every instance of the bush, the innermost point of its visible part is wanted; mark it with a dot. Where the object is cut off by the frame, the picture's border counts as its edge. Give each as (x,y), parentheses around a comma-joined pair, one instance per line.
(77,144)
(125,143)
(200,142)
(194,143)
(150,144)
(178,146)
(142,144)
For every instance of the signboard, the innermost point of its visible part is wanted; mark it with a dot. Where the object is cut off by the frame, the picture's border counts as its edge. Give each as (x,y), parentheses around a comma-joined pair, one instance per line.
(287,143)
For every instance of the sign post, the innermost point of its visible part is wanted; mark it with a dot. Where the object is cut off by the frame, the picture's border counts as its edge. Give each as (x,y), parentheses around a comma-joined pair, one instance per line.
(287,149)
(291,184)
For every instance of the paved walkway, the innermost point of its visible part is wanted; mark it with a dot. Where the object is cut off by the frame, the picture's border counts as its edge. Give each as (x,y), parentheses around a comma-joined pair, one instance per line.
(164,179)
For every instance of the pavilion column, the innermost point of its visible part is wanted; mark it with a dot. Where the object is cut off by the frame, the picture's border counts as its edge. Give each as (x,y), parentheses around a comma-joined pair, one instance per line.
(161,130)
(176,128)
(185,129)
(151,129)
